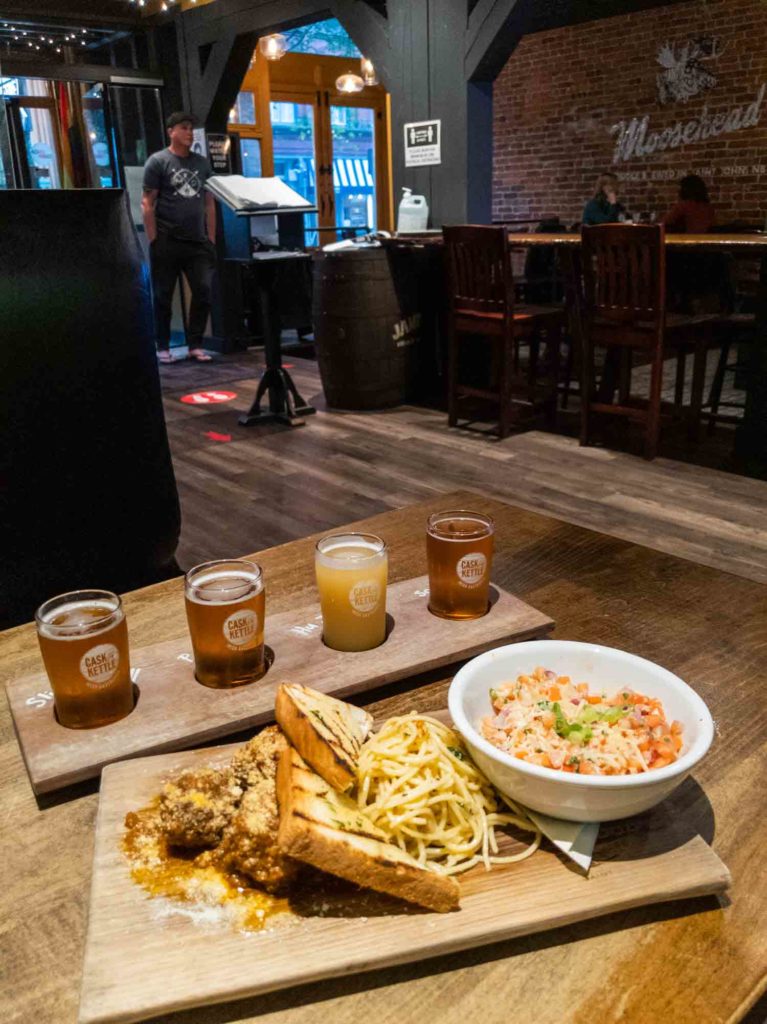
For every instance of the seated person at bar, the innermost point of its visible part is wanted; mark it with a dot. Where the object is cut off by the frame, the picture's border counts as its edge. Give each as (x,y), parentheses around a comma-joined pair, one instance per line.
(604,208)
(693,213)
(697,282)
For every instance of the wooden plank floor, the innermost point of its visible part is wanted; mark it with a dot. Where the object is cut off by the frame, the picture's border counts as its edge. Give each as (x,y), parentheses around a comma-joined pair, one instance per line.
(268,485)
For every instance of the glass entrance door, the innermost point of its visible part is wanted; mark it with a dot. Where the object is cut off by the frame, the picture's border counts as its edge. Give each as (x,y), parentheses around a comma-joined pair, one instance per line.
(353,135)
(293,140)
(40,142)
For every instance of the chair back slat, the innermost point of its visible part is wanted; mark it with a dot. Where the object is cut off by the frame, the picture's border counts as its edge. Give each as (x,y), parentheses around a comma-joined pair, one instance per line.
(624,273)
(479,269)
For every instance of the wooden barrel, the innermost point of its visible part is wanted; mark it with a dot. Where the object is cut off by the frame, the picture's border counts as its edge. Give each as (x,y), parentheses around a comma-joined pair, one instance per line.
(366,329)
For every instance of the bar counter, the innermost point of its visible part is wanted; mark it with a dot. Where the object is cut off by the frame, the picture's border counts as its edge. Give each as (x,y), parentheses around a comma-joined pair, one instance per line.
(751,433)
(746,243)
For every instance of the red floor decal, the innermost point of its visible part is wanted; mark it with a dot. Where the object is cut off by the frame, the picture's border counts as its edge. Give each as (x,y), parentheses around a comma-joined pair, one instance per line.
(208,397)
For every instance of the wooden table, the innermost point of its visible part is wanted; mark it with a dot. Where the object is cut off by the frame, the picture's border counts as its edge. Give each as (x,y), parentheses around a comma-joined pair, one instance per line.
(696,961)
(751,433)
(755,242)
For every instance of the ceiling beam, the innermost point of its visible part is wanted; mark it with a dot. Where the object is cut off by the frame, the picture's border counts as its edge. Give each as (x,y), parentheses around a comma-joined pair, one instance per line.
(81,14)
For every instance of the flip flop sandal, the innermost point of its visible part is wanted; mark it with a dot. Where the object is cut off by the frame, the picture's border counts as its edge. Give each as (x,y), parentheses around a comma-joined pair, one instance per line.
(198,356)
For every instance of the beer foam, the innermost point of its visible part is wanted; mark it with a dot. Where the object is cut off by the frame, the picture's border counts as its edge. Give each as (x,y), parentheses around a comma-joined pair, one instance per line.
(466,527)
(76,625)
(240,584)
(357,552)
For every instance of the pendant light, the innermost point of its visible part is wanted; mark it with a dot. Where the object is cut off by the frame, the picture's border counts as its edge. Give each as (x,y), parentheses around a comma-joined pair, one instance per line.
(349,83)
(273,47)
(369,76)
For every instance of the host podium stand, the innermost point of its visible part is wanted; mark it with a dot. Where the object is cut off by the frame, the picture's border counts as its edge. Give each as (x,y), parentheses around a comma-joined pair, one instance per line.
(262,273)
(285,404)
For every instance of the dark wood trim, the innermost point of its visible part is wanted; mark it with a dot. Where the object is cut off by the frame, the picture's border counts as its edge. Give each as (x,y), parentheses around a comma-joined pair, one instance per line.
(31,14)
(492,36)
(81,72)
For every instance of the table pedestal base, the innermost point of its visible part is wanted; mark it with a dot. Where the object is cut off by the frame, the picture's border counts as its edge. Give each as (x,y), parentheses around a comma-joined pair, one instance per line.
(285,403)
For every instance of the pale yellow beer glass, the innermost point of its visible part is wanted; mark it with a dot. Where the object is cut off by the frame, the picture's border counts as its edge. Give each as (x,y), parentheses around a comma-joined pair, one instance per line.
(352,571)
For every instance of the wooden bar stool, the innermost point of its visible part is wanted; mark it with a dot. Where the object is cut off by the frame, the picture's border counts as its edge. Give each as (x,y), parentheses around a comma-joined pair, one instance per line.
(624,310)
(481,304)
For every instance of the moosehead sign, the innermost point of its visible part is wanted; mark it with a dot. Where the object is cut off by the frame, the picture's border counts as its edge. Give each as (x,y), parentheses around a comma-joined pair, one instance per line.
(684,76)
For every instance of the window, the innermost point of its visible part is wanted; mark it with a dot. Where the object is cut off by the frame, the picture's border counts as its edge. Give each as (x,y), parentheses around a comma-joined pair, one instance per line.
(23,87)
(244,109)
(97,142)
(283,113)
(328,38)
(251,158)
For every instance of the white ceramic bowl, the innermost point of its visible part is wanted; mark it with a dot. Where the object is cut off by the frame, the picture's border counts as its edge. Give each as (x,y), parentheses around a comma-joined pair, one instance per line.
(562,794)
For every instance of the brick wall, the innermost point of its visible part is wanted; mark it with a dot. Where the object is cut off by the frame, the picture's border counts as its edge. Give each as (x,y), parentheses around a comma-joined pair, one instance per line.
(561,92)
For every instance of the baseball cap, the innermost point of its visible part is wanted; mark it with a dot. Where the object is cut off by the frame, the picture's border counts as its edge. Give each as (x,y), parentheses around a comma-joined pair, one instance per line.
(179,117)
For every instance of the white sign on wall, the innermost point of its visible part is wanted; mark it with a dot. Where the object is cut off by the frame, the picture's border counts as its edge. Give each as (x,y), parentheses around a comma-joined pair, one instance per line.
(685,75)
(423,143)
(635,138)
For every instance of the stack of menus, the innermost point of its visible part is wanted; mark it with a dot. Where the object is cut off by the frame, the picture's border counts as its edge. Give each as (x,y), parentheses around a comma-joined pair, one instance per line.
(253,195)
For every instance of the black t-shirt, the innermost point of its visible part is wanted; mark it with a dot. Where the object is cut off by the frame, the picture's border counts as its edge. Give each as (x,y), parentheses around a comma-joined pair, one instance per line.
(179,180)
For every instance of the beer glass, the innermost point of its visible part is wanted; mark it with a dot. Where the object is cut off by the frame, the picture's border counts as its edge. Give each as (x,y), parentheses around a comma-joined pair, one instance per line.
(352,570)
(225,603)
(84,643)
(459,551)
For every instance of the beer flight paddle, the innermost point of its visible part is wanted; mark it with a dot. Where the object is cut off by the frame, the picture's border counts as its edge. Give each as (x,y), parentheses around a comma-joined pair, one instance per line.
(222,677)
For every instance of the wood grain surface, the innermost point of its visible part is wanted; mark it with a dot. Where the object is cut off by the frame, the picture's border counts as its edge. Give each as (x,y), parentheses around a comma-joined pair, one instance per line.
(254,487)
(745,243)
(174,711)
(695,962)
(140,962)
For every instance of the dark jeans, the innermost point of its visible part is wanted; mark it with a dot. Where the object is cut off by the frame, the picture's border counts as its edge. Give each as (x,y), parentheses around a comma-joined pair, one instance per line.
(197,262)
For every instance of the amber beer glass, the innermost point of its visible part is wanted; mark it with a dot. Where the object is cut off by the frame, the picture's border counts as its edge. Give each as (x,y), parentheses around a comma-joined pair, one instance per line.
(84,643)
(225,603)
(352,570)
(459,551)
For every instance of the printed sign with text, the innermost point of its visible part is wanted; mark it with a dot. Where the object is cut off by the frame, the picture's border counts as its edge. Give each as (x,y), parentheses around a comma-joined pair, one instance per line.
(219,153)
(423,143)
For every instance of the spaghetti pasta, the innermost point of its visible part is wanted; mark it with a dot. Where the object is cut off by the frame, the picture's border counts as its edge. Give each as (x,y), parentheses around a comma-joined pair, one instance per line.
(418,784)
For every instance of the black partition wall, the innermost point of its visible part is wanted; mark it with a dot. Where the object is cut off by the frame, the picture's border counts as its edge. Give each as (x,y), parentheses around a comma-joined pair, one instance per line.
(436,58)
(87,492)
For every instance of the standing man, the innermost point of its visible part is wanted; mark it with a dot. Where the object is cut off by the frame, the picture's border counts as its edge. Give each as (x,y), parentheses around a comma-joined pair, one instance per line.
(180,223)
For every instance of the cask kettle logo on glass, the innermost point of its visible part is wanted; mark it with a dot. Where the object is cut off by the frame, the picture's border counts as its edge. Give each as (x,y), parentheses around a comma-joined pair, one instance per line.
(686,75)
(99,665)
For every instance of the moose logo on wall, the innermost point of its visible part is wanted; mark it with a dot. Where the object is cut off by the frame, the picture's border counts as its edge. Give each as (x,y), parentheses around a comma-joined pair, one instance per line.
(684,74)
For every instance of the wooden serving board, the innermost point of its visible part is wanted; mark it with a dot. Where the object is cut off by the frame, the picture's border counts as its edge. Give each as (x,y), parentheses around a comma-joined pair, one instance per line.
(174,711)
(141,962)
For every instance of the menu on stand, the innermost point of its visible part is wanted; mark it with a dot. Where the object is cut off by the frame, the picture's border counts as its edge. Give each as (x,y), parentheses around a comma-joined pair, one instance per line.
(240,193)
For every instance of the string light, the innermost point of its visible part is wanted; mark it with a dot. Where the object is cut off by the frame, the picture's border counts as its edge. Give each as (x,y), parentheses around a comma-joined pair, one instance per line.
(273,47)
(349,83)
(369,76)
(56,40)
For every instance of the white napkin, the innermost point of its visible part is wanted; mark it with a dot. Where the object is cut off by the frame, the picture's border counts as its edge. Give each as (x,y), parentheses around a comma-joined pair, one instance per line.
(575,839)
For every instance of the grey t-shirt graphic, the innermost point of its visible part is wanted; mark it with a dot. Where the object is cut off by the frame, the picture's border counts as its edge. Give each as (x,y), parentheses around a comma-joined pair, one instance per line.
(179,180)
